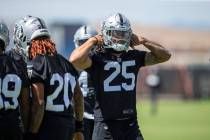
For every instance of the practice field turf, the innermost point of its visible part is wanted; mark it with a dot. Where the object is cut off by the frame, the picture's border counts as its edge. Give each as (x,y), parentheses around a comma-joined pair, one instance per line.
(175,120)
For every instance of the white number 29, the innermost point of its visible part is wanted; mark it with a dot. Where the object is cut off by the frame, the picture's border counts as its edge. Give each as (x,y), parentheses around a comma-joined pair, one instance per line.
(118,70)
(13,93)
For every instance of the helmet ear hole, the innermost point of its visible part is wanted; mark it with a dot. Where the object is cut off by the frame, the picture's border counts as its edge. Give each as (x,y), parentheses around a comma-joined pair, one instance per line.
(109,32)
(24,39)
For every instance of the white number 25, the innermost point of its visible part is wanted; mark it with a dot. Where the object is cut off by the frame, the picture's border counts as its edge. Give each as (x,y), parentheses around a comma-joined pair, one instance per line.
(119,69)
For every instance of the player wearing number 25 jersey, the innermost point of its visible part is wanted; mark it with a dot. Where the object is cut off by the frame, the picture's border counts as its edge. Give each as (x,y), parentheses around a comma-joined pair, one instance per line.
(14,95)
(114,70)
(53,83)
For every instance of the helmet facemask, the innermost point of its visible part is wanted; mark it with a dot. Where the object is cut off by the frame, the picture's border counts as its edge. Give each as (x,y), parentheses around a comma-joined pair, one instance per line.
(80,42)
(119,40)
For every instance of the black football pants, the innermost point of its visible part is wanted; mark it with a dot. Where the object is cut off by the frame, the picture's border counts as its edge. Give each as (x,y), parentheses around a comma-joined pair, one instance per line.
(117,130)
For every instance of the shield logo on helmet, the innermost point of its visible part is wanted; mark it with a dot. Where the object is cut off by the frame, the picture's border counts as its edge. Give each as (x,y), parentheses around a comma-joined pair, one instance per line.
(19,33)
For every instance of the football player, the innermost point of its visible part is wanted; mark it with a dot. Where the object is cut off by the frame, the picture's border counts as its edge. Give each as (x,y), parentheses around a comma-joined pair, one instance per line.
(14,93)
(114,68)
(85,82)
(17,54)
(53,83)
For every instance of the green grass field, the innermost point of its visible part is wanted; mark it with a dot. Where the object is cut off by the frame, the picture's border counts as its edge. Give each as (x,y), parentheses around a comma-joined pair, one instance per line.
(175,120)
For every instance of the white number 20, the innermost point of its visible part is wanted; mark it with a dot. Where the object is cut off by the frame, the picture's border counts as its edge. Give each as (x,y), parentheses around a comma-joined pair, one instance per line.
(63,83)
(118,70)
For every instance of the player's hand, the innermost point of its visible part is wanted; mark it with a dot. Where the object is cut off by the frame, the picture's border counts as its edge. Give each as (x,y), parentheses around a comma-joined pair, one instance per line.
(136,40)
(78,136)
(99,40)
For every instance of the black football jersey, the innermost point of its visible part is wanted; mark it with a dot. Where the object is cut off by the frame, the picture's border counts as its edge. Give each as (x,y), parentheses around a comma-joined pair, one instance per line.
(59,78)
(115,84)
(87,88)
(12,80)
(16,56)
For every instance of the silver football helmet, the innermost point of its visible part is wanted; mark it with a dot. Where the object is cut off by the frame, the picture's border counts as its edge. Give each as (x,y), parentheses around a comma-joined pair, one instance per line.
(4,33)
(27,29)
(83,34)
(116,31)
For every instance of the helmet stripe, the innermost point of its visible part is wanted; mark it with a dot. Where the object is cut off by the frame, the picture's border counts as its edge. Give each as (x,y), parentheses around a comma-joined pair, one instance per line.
(121,19)
(40,21)
(85,29)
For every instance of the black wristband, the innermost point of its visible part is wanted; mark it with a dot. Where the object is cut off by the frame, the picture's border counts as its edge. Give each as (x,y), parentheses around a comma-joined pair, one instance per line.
(79,127)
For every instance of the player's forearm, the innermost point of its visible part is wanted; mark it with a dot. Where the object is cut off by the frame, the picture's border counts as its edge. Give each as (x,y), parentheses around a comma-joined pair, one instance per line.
(25,117)
(79,108)
(160,53)
(78,104)
(25,107)
(37,113)
(80,56)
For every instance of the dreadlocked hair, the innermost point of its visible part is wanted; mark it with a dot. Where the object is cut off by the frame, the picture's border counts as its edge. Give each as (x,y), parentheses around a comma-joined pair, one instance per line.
(42,46)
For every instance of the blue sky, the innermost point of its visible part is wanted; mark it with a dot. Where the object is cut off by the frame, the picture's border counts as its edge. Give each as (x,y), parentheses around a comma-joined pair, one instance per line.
(186,13)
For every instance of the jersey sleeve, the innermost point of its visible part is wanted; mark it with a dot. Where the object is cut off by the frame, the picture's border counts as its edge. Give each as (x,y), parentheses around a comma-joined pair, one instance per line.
(20,70)
(39,69)
(95,60)
(140,57)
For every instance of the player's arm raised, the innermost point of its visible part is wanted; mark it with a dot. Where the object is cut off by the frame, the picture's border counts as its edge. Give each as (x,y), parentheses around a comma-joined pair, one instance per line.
(37,108)
(80,56)
(157,54)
